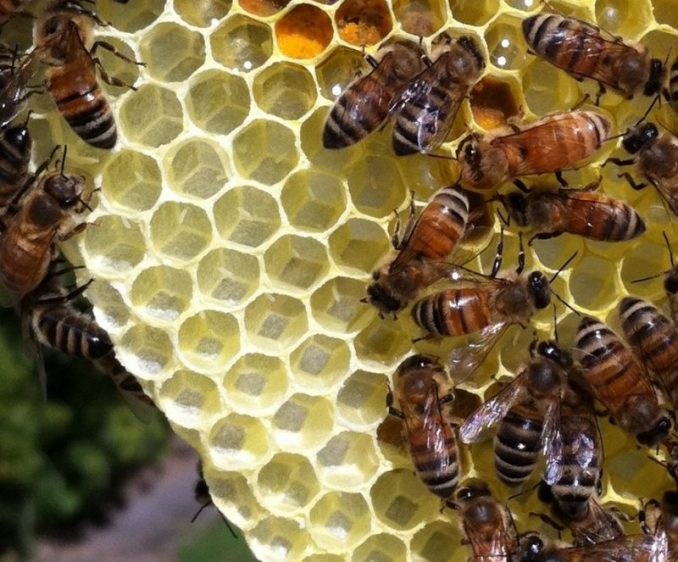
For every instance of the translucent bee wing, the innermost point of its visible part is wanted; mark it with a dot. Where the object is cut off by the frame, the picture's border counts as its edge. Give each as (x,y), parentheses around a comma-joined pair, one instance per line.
(492,411)
(464,360)
(630,548)
(552,443)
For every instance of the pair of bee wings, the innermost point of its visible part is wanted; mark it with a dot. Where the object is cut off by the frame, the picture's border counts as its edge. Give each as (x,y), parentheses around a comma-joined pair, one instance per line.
(432,100)
(499,547)
(495,410)
(629,548)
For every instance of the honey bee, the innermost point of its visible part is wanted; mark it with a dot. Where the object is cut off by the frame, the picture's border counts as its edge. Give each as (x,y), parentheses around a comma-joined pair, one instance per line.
(656,159)
(628,548)
(485,306)
(202,496)
(617,380)
(425,110)
(574,211)
(64,41)
(528,414)
(672,91)
(555,143)
(15,155)
(15,71)
(585,51)
(426,242)
(50,319)
(582,456)
(364,105)
(485,522)
(655,339)
(46,214)
(422,390)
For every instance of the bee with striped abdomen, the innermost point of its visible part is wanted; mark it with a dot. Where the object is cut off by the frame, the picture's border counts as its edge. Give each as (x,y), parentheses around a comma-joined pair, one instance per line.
(528,414)
(585,51)
(427,241)
(615,378)
(422,391)
(364,106)
(655,339)
(425,110)
(557,142)
(65,42)
(575,211)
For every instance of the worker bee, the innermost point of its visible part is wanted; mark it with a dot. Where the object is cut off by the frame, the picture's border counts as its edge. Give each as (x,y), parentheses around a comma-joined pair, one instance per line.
(425,110)
(585,51)
(485,522)
(581,459)
(50,319)
(485,306)
(422,391)
(15,71)
(617,380)
(628,548)
(575,211)
(554,143)
(528,414)
(64,41)
(15,155)
(655,339)
(656,158)
(426,243)
(202,495)
(672,91)
(46,214)
(364,105)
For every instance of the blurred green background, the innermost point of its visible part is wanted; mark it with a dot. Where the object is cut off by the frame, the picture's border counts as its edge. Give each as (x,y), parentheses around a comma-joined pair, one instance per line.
(66,462)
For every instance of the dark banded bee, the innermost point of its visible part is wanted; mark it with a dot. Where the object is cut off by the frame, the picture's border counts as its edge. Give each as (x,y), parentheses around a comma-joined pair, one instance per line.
(672,91)
(585,51)
(427,241)
(64,41)
(15,71)
(482,305)
(528,414)
(486,523)
(364,105)
(617,380)
(656,159)
(582,456)
(627,548)
(46,214)
(655,339)
(15,154)
(425,110)
(554,143)
(574,211)
(422,390)
(50,319)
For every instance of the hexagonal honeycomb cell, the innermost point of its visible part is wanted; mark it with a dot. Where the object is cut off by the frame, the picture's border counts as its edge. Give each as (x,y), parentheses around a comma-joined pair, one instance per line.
(231,251)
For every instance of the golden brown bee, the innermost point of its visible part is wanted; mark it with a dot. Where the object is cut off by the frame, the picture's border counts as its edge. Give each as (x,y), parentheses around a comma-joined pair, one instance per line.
(64,41)
(656,159)
(628,548)
(617,380)
(46,214)
(554,143)
(582,456)
(585,51)
(574,211)
(483,305)
(426,243)
(426,108)
(422,390)
(485,522)
(655,339)
(364,105)
(527,411)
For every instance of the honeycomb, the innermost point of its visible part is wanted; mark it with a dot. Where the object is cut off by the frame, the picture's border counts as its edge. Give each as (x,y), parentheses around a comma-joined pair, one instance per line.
(231,250)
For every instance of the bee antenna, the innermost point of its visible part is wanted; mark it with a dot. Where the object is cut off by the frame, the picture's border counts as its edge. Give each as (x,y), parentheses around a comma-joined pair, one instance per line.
(28,116)
(668,246)
(83,203)
(566,304)
(562,267)
(364,300)
(555,323)
(63,161)
(647,111)
(202,507)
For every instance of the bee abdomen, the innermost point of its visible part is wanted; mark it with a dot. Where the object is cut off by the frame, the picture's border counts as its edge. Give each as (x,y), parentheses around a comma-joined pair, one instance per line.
(440,473)
(517,447)
(442,224)
(412,133)
(673,82)
(89,115)
(453,312)
(15,154)
(73,333)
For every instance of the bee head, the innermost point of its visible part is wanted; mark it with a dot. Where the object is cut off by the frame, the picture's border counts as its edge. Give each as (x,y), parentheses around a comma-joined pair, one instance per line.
(656,79)
(644,409)
(540,289)
(381,298)
(531,547)
(18,138)
(671,281)
(639,136)
(473,488)
(516,204)
(552,351)
(417,362)
(65,189)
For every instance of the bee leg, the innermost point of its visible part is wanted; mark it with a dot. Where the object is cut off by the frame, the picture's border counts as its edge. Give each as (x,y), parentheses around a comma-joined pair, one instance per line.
(632,182)
(112,80)
(619,514)
(601,92)
(550,522)
(521,254)
(520,185)
(496,266)
(619,162)
(447,399)
(374,63)
(561,180)
(77,230)
(581,102)
(542,236)
(89,13)
(106,45)
(594,185)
